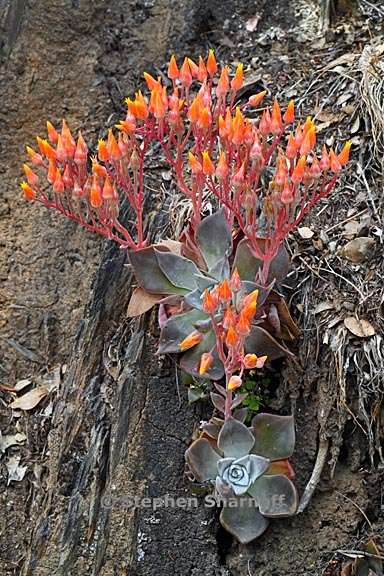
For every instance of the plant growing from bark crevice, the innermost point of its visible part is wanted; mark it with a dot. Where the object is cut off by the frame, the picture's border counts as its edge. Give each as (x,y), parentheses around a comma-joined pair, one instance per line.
(218,286)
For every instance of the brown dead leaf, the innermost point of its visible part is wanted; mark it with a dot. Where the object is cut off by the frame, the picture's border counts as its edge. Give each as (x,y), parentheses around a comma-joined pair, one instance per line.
(172,245)
(348,59)
(305,232)
(15,472)
(323,306)
(359,327)
(351,229)
(141,301)
(289,329)
(29,400)
(358,250)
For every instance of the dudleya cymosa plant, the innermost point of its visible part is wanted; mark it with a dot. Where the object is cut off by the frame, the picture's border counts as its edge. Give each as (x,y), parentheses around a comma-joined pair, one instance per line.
(249,471)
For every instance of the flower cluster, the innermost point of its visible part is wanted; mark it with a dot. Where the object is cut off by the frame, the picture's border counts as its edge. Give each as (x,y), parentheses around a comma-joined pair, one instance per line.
(265,172)
(231,311)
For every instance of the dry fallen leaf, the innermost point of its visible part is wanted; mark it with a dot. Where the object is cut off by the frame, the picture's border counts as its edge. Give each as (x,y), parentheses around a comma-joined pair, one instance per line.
(305,232)
(358,249)
(11,440)
(323,306)
(351,229)
(359,327)
(29,400)
(141,301)
(252,23)
(15,472)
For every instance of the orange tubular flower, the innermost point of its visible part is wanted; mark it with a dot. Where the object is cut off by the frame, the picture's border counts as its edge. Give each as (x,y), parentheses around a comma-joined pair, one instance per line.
(276,121)
(256,99)
(102,151)
(238,79)
(151,82)
(343,157)
(194,68)
(265,123)
(108,191)
(29,193)
(309,141)
(287,194)
(46,149)
(232,338)
(35,158)
(238,128)
(58,185)
(234,382)
(52,133)
(51,174)
(191,340)
(67,178)
(205,119)
(208,167)
(30,175)
(299,135)
(334,162)
(229,318)
(223,83)
(185,75)
(211,63)
(324,161)
(243,325)
(81,152)
(224,291)
(194,110)
(251,297)
(222,167)
(235,282)
(95,196)
(173,71)
(252,361)
(298,171)
(209,302)
(291,149)
(202,70)
(113,147)
(194,164)
(289,115)
(206,362)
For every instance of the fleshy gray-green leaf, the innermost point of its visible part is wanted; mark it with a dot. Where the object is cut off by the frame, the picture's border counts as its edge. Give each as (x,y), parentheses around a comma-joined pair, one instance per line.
(148,273)
(274,436)
(176,329)
(248,265)
(179,270)
(260,342)
(243,521)
(235,439)
(202,459)
(275,495)
(214,238)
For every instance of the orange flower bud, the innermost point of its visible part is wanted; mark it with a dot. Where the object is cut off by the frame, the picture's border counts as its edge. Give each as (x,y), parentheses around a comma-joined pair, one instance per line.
(334,162)
(224,292)
(289,115)
(299,136)
(252,361)
(208,167)
(243,325)
(209,302)
(108,190)
(52,133)
(228,319)
(194,110)
(239,176)
(47,149)
(102,151)
(238,79)
(211,63)
(344,154)
(276,121)
(51,175)
(185,75)
(191,340)
(113,147)
(68,140)
(81,152)
(315,168)
(232,338)
(98,169)
(309,141)
(173,71)
(194,164)
(235,282)
(298,171)
(256,99)
(40,143)
(35,158)
(291,150)
(193,68)
(95,197)
(29,193)
(234,382)
(32,178)
(58,185)
(202,70)
(265,123)
(205,118)
(61,151)
(222,167)
(151,82)
(67,178)
(288,193)
(206,362)
(324,161)
(223,83)
(251,297)
(238,127)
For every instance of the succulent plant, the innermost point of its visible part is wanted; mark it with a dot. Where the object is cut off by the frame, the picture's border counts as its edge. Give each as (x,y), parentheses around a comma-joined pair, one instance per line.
(249,469)
(178,283)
